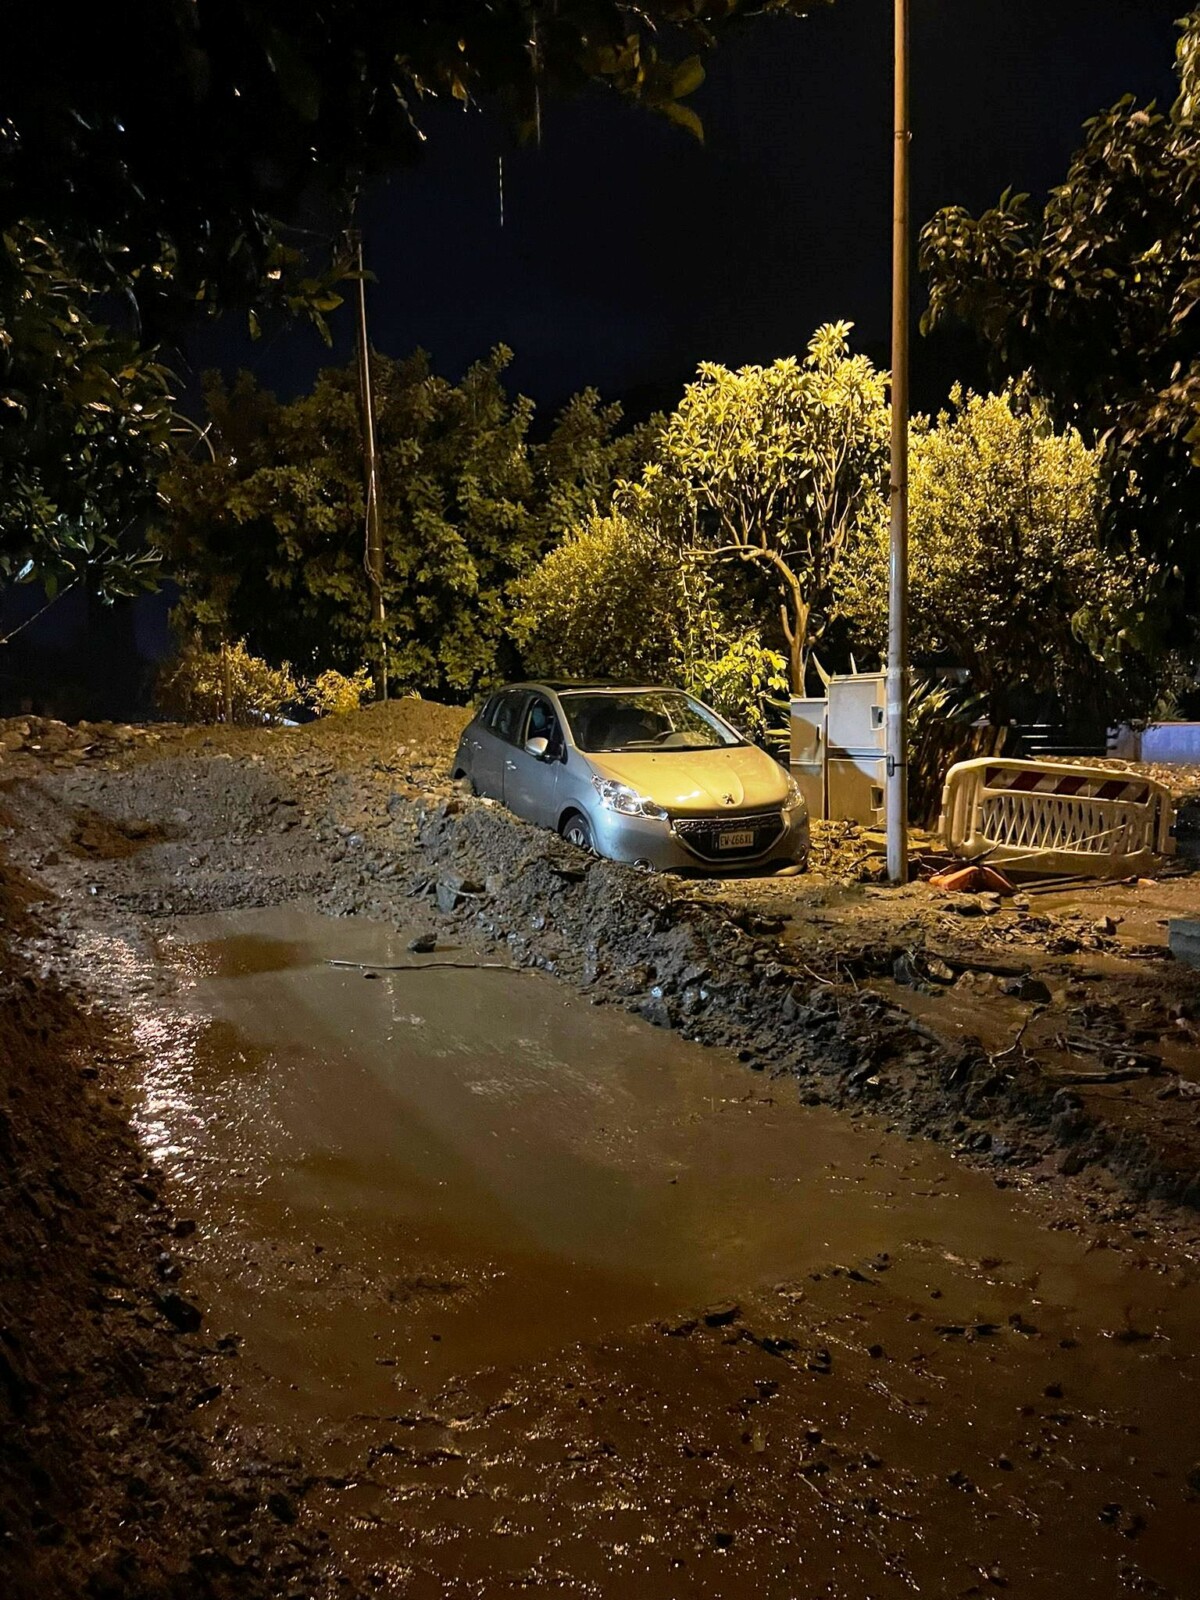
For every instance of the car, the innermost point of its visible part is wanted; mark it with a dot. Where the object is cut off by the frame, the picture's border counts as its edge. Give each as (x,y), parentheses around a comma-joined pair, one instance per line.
(636,772)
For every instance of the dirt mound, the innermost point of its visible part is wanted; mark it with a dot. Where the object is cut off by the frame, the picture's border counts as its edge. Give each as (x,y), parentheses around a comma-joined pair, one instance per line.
(107,1488)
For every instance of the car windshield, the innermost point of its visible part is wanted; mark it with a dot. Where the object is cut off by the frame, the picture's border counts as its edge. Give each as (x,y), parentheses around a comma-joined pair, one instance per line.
(644,719)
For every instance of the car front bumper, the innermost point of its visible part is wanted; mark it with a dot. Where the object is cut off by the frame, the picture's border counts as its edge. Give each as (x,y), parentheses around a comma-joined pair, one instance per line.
(656,844)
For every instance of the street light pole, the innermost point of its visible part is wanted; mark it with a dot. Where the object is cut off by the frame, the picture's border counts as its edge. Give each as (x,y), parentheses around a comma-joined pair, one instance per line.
(897,655)
(373,553)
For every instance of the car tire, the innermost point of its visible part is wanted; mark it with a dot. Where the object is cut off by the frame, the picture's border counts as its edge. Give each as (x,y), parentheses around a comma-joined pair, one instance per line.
(577,830)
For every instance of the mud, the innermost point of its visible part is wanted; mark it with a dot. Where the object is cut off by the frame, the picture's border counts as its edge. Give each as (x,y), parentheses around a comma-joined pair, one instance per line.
(504,1290)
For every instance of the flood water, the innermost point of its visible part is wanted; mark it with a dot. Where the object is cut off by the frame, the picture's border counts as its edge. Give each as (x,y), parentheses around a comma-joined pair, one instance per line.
(467,1225)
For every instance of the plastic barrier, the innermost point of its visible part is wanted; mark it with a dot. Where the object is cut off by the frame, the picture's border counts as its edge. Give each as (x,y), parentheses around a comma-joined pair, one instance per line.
(1047,816)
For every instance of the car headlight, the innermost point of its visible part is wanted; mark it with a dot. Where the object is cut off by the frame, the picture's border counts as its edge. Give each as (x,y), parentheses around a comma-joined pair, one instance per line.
(620,797)
(794,796)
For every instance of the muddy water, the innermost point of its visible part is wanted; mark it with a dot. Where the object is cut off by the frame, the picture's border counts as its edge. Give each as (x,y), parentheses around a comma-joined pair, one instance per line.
(468,1228)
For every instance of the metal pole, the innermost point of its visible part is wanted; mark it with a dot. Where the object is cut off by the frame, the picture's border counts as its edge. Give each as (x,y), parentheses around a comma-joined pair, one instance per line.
(897,656)
(373,555)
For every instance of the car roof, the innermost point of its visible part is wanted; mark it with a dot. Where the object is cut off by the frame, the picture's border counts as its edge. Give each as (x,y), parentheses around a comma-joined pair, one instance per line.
(566,685)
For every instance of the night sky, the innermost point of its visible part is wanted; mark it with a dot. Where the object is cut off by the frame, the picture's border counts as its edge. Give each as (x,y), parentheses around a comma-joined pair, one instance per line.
(629,252)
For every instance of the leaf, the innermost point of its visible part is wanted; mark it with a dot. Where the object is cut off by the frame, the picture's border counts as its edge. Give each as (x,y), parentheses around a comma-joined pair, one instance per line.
(684,117)
(687,77)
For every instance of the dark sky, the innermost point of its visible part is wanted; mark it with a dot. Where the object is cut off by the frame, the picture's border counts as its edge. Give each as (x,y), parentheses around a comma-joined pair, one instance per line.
(629,252)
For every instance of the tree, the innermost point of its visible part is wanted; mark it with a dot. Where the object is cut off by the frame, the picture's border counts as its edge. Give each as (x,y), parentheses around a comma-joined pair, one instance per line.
(608,602)
(85,420)
(1009,576)
(165,160)
(783,468)
(620,597)
(266,535)
(1096,292)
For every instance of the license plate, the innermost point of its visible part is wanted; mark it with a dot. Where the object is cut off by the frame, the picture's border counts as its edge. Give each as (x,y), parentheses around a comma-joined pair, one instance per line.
(742,839)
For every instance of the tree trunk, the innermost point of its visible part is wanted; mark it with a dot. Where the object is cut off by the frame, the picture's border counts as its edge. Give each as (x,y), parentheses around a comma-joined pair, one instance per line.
(227,681)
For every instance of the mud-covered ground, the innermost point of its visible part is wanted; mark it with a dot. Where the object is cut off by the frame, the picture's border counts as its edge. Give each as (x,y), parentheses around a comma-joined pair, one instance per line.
(933,1420)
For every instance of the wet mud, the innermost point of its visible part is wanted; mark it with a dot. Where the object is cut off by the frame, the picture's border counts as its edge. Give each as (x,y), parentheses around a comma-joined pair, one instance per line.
(540,1297)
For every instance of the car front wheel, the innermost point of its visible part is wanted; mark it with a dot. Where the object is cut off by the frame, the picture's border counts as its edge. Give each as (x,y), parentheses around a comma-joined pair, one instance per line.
(577,830)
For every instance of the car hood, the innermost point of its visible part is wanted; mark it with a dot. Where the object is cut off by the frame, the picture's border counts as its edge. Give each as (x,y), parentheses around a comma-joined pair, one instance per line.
(735,778)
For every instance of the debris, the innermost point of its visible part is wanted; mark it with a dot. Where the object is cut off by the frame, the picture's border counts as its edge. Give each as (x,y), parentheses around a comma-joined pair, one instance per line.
(972,880)
(422,966)
(1183,940)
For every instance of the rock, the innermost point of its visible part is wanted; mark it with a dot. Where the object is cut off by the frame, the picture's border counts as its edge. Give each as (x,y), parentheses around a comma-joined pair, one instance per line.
(180,1312)
(1105,926)
(448,897)
(281,1507)
(964,905)
(423,944)
(1026,987)
(721,1316)
(989,903)
(656,1010)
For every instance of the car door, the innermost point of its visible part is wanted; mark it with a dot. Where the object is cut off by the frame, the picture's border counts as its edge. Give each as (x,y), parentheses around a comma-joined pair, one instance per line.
(530,781)
(493,735)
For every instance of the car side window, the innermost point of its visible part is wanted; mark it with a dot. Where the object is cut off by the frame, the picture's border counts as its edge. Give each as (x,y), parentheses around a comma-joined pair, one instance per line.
(488,714)
(506,722)
(543,724)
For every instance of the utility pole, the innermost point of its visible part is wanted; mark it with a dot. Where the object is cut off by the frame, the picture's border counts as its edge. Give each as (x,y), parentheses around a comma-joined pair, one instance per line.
(897,655)
(373,551)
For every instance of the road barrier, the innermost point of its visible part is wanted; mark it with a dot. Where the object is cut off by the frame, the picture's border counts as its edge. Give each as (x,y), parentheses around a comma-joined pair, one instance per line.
(1047,816)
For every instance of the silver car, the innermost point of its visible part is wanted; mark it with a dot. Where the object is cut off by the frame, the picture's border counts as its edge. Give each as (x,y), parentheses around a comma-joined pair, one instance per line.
(647,775)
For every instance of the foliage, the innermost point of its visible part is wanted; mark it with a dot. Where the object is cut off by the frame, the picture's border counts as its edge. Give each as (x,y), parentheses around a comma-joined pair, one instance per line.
(85,417)
(266,538)
(739,681)
(224,685)
(1096,292)
(783,468)
(606,602)
(165,164)
(619,598)
(333,694)
(1008,574)
(944,726)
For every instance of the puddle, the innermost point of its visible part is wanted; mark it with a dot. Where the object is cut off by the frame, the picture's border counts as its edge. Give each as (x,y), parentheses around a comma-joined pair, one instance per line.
(424,1198)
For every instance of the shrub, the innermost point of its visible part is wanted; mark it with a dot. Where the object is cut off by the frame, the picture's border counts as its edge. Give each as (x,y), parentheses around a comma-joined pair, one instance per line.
(333,693)
(224,685)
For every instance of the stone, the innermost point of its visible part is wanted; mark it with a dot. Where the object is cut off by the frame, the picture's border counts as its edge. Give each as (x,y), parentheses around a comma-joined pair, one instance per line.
(1026,987)
(423,944)
(721,1316)
(656,1010)
(964,905)
(181,1313)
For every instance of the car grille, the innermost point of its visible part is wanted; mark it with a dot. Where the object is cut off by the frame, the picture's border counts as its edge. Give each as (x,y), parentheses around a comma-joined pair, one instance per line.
(702,835)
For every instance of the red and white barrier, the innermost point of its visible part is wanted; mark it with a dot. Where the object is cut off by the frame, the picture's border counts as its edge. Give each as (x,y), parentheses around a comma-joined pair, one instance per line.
(1047,816)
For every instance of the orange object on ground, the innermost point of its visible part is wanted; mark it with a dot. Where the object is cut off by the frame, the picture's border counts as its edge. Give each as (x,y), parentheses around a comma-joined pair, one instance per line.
(972,880)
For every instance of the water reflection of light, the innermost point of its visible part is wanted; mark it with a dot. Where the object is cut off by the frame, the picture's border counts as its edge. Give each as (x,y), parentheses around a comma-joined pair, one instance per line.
(169,1115)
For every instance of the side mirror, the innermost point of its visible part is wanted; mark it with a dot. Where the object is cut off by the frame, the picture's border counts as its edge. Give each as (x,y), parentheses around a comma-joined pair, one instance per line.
(537,746)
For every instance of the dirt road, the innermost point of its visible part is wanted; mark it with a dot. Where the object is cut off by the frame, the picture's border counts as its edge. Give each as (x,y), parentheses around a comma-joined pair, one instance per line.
(506,1282)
